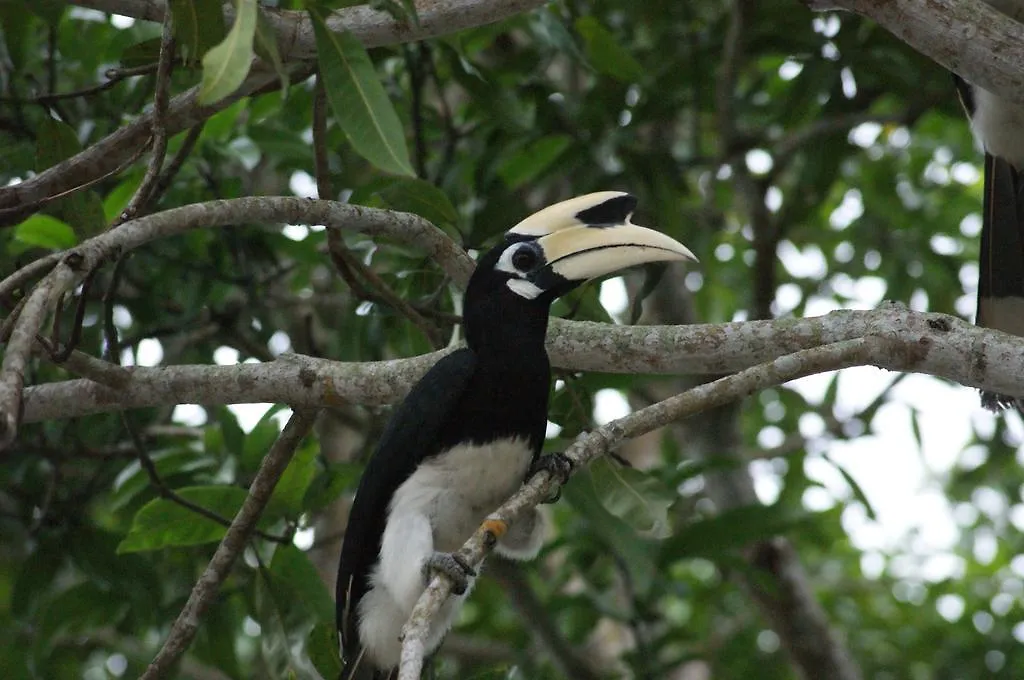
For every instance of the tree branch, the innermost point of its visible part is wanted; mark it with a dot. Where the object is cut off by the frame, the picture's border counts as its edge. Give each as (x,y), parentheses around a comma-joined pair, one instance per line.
(130,235)
(158,132)
(968,37)
(933,344)
(238,534)
(373,27)
(590,446)
(296,45)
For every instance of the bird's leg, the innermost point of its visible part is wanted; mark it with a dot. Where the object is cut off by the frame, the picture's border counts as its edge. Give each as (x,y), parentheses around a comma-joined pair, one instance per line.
(451,565)
(558,466)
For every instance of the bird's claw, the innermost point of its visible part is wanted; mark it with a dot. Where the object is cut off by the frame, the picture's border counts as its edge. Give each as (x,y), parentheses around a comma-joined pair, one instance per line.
(451,565)
(558,466)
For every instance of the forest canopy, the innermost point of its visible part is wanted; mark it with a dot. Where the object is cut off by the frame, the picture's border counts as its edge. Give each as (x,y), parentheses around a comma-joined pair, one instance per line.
(198,358)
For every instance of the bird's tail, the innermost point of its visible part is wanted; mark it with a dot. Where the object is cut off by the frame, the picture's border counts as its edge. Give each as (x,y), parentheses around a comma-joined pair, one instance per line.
(1001,266)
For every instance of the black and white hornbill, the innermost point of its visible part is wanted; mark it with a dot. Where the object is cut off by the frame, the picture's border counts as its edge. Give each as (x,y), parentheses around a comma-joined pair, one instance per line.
(998,126)
(470,431)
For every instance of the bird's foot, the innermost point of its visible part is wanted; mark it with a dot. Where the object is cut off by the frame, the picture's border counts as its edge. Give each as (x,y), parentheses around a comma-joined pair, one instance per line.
(451,565)
(558,466)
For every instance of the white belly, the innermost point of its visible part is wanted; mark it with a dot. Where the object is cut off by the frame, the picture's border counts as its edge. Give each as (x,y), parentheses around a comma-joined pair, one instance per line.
(999,126)
(436,510)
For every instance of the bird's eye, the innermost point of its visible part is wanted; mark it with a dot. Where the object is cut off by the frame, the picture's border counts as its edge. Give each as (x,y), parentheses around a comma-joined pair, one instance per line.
(524,259)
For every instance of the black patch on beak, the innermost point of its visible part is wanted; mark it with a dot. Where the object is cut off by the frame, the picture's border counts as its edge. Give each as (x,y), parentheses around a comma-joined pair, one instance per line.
(610,213)
(548,280)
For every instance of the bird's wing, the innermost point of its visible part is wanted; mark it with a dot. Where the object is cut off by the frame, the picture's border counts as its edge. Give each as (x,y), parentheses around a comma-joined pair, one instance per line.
(1001,280)
(410,436)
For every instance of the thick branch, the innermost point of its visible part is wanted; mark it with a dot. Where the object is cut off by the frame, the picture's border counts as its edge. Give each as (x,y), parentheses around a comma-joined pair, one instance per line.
(967,37)
(590,446)
(113,243)
(373,27)
(934,344)
(238,534)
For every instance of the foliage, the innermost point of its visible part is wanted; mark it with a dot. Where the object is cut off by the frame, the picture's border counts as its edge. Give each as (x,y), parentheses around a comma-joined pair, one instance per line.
(822,139)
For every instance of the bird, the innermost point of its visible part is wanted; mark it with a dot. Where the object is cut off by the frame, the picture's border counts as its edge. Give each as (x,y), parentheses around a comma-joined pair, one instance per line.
(998,127)
(470,432)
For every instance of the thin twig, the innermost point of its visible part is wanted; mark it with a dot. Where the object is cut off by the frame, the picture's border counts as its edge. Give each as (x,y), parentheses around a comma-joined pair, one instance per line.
(114,76)
(414,66)
(112,351)
(271,469)
(62,353)
(174,167)
(12,215)
(89,367)
(344,258)
(158,131)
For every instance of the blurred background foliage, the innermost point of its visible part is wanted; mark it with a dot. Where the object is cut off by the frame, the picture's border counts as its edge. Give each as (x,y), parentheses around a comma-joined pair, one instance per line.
(811,161)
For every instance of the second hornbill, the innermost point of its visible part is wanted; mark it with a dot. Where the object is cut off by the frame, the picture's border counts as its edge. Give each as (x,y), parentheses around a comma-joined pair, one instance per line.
(471,430)
(998,126)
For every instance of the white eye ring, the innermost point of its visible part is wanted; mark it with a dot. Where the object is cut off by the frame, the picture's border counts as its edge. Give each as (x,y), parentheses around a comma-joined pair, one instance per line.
(519,258)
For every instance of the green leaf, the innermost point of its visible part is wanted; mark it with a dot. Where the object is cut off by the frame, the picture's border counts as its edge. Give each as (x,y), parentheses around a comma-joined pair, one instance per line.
(291,488)
(266,47)
(858,492)
(34,581)
(637,498)
(292,569)
(259,440)
(637,553)
(83,210)
(46,232)
(422,198)
(527,163)
(360,104)
(118,198)
(16,25)
(234,436)
(82,607)
(49,11)
(215,639)
(330,484)
(226,64)
(141,53)
(182,464)
(55,142)
(606,54)
(732,530)
(198,26)
(162,523)
(322,646)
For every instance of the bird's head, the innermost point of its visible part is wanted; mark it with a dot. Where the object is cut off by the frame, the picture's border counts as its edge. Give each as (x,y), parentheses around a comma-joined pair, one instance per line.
(560,247)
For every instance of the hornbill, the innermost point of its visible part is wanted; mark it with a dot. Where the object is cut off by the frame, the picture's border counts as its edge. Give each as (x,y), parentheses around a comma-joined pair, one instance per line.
(470,431)
(998,127)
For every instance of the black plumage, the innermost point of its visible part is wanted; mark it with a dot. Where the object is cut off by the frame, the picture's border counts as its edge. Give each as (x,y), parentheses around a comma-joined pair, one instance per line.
(466,396)
(1001,258)
(471,430)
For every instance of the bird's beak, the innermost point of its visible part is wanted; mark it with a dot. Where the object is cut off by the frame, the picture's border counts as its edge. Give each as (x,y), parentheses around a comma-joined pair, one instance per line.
(582,253)
(590,236)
